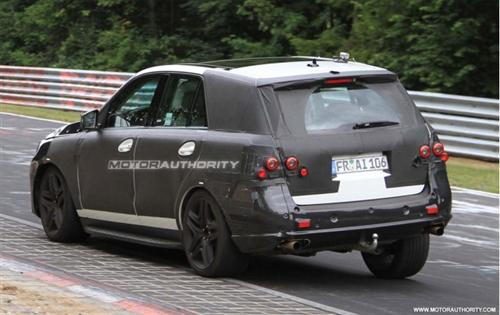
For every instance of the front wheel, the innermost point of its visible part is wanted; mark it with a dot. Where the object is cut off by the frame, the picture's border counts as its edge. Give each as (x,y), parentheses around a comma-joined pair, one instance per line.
(207,241)
(57,211)
(402,259)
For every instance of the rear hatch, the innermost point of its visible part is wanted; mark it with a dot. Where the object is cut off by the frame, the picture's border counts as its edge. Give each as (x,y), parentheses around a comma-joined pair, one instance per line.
(357,136)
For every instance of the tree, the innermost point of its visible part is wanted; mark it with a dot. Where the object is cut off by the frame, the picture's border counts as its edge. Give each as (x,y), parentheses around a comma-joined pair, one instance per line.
(448,46)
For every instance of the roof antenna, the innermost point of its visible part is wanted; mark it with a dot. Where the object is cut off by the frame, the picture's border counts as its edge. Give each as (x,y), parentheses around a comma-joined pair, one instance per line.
(344,57)
(313,64)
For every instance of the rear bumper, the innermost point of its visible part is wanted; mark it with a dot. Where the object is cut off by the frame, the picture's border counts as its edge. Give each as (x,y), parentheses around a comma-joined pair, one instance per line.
(343,226)
(339,239)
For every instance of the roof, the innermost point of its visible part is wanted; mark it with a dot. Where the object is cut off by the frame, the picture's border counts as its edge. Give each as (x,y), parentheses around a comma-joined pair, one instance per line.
(299,68)
(272,69)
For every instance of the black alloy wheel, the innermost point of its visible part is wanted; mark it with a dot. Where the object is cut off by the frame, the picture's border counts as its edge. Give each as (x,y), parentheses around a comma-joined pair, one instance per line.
(207,241)
(203,227)
(57,211)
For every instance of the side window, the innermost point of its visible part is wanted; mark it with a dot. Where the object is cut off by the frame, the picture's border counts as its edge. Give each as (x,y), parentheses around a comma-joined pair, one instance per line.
(134,107)
(184,104)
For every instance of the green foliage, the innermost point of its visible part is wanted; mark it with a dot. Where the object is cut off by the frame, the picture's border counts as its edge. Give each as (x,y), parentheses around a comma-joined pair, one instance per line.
(449,46)
(442,46)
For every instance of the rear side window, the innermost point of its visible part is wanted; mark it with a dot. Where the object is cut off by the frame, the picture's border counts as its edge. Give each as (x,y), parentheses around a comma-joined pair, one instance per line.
(341,107)
(183,105)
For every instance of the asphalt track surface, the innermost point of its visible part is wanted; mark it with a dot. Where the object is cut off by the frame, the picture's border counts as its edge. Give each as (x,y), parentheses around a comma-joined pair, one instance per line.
(462,270)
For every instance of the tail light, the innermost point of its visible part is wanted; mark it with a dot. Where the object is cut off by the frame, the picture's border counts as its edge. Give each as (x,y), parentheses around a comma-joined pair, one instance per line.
(261,173)
(438,148)
(444,156)
(291,163)
(272,163)
(424,151)
(303,171)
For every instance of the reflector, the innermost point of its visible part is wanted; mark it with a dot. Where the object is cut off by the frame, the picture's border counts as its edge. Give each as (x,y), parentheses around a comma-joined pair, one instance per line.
(432,209)
(303,223)
(444,156)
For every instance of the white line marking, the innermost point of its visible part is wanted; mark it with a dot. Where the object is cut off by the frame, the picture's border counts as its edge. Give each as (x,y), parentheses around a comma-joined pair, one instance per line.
(461,190)
(15,265)
(22,221)
(469,241)
(467,207)
(36,118)
(447,263)
(95,293)
(480,227)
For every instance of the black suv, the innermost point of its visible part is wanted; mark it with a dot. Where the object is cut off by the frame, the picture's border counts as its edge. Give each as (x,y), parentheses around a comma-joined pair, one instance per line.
(255,156)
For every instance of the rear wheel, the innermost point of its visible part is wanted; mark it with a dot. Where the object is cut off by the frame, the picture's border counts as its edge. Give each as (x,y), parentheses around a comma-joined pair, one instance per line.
(207,241)
(402,259)
(57,211)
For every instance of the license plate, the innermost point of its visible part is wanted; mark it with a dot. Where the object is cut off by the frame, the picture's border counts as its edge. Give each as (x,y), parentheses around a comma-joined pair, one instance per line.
(359,164)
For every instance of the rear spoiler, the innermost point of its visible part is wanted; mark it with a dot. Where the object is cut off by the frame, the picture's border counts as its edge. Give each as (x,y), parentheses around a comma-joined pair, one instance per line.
(361,78)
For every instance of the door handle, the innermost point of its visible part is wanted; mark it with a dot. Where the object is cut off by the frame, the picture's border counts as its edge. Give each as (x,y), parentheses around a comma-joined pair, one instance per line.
(187,148)
(125,145)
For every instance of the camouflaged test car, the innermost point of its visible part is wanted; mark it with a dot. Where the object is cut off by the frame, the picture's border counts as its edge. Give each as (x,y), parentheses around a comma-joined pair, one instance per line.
(257,156)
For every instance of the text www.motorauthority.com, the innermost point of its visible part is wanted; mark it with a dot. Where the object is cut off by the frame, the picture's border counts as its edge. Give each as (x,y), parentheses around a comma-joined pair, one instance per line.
(454,309)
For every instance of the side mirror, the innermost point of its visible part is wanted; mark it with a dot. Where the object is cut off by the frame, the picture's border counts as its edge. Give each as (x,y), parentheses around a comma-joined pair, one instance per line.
(88,121)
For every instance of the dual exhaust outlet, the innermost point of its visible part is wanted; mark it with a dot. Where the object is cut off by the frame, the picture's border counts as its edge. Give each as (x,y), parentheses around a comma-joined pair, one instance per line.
(365,246)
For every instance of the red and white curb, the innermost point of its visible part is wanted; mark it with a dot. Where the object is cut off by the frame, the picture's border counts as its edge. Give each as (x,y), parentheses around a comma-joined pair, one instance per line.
(90,290)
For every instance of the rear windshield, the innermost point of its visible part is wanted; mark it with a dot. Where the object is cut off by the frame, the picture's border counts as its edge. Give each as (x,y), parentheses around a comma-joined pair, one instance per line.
(342,107)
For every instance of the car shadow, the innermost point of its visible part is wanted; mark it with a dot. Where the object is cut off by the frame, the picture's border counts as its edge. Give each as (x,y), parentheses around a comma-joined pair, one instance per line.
(320,272)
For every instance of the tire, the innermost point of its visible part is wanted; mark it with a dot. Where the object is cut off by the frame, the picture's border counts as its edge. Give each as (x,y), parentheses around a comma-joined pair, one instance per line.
(403,259)
(207,241)
(57,210)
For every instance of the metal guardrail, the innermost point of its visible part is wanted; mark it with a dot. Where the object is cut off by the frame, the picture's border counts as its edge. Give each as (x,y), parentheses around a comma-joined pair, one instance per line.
(58,88)
(468,126)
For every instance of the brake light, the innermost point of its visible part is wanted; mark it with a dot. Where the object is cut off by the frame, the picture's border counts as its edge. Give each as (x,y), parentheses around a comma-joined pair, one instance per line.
(424,151)
(261,173)
(339,81)
(432,209)
(303,171)
(291,163)
(272,163)
(438,148)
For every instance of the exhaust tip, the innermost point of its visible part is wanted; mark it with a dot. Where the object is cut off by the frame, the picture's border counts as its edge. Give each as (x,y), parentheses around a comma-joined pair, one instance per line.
(295,245)
(437,230)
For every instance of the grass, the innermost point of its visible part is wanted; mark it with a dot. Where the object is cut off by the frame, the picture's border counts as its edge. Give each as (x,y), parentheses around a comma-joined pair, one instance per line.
(473,174)
(466,173)
(55,114)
